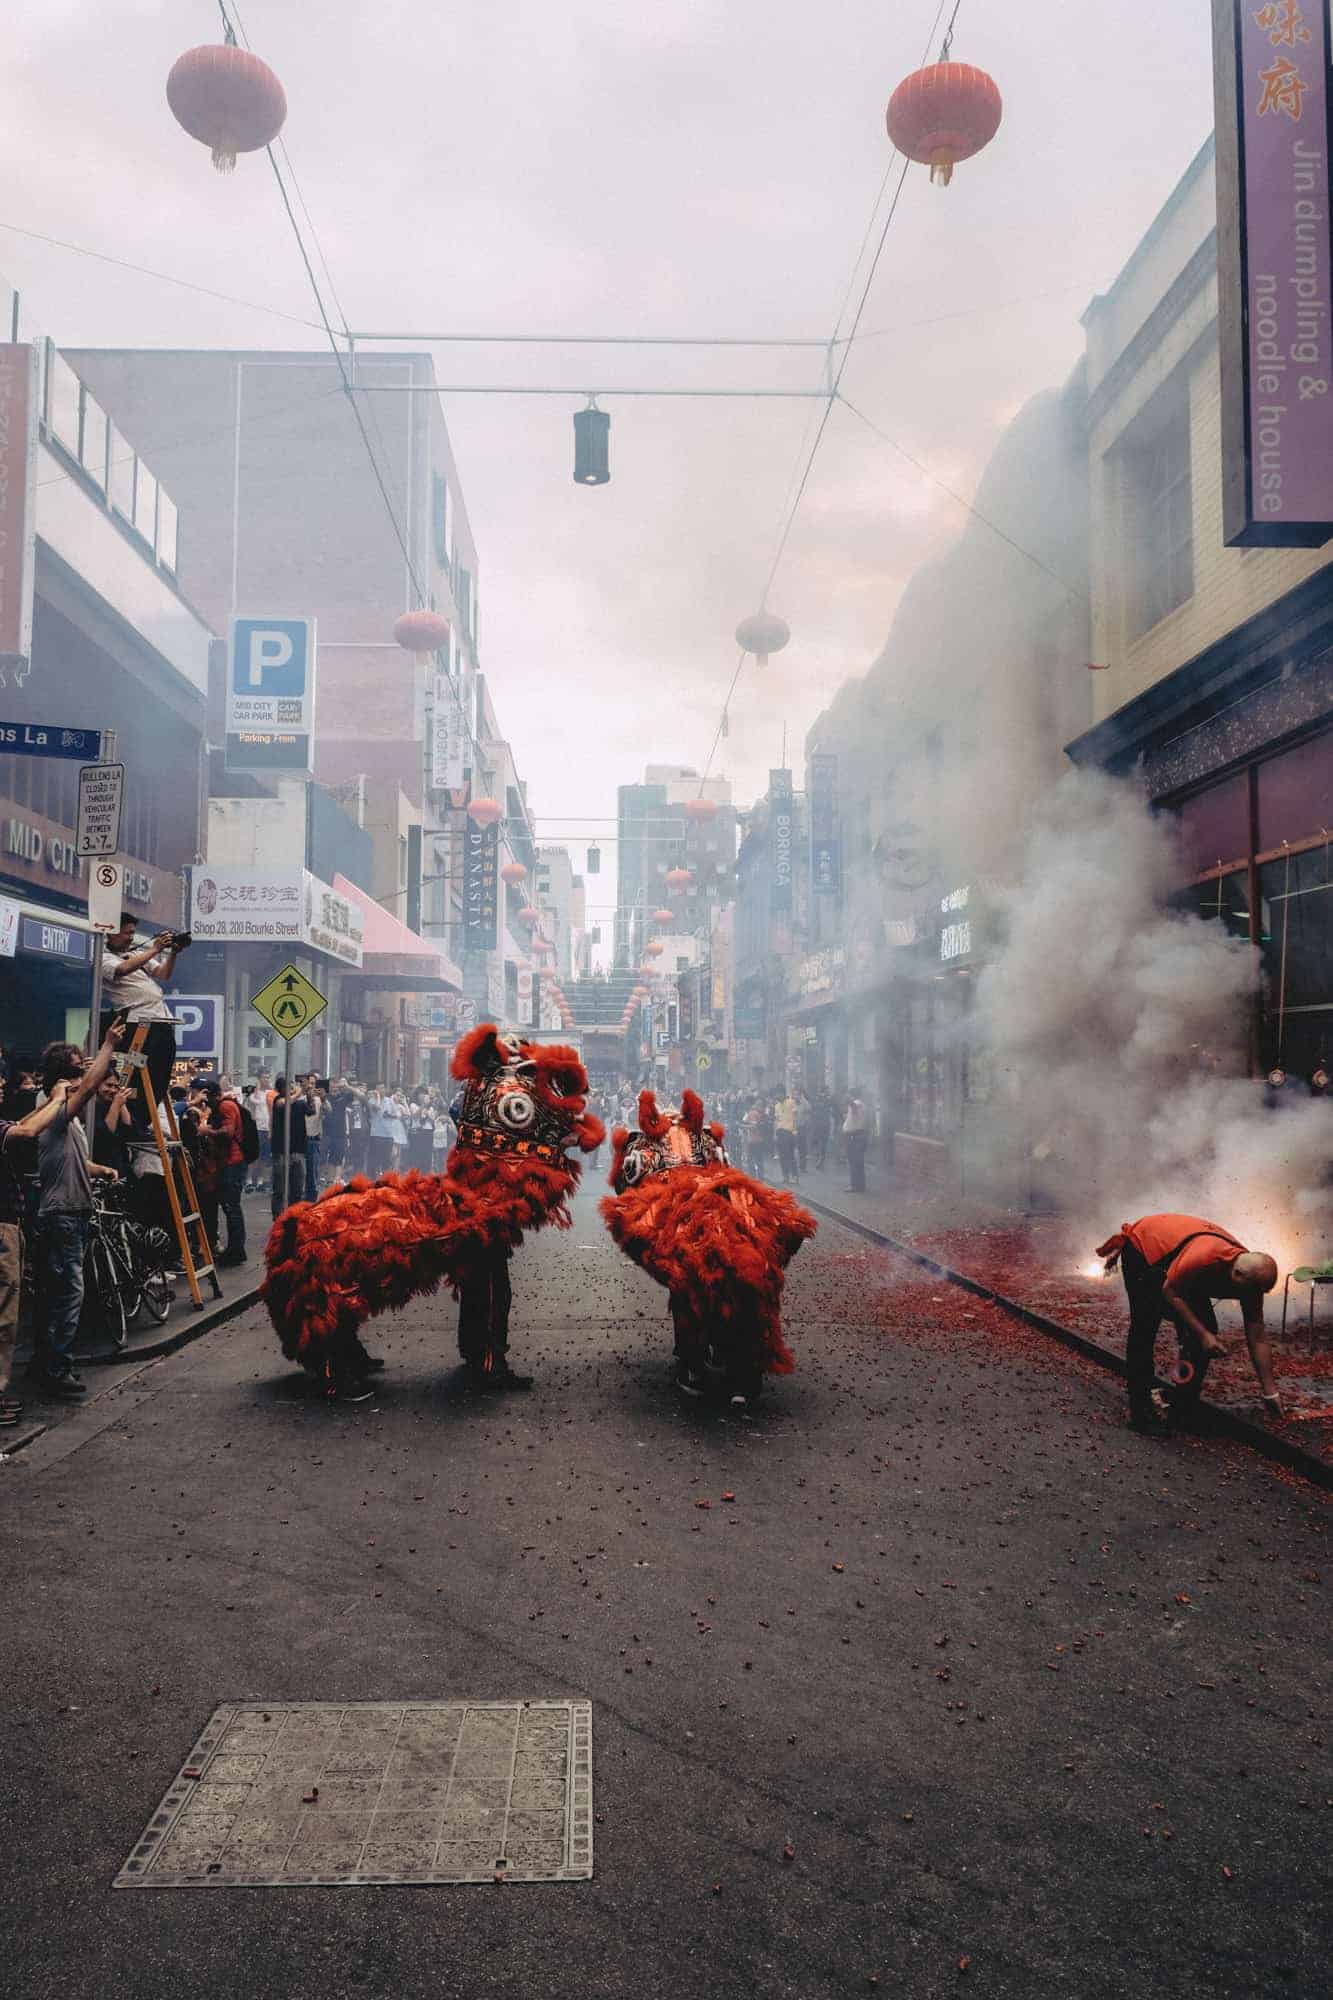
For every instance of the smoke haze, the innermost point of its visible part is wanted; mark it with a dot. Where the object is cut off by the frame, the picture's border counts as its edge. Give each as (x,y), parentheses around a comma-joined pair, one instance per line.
(1116,1027)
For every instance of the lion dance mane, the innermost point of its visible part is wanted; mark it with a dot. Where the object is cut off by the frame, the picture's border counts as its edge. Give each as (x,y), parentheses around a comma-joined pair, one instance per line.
(367,1247)
(718,1240)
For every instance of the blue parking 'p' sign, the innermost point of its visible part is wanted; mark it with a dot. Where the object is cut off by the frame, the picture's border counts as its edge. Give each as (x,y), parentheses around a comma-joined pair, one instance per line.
(198,1019)
(270,694)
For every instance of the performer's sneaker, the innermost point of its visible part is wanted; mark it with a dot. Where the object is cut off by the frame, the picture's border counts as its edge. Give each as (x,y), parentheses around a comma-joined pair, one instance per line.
(689,1380)
(502,1378)
(351,1392)
(373,1363)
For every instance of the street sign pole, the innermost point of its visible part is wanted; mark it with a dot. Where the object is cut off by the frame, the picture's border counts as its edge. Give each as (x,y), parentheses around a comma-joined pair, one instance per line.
(289,1003)
(106,755)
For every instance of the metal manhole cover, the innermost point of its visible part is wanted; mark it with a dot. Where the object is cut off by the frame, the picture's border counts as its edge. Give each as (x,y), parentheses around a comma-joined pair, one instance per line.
(353,1793)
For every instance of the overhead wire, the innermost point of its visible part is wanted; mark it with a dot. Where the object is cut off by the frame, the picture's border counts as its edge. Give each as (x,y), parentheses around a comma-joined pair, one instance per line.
(163,277)
(1080,596)
(835,384)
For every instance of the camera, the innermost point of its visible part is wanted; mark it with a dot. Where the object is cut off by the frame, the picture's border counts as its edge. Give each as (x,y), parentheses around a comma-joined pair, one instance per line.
(180,940)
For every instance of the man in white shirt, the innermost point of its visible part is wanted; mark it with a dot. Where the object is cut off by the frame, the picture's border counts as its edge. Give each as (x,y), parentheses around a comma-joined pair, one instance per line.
(133,982)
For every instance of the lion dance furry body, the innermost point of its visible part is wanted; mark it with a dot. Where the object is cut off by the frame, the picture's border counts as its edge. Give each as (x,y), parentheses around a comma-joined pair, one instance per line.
(717,1239)
(370,1246)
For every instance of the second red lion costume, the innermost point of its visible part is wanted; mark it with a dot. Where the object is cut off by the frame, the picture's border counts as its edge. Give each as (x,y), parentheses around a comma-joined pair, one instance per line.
(364,1248)
(718,1240)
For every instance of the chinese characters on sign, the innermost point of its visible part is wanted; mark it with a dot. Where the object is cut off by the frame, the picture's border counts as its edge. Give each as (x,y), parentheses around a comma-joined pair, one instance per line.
(481,878)
(825,859)
(1275,271)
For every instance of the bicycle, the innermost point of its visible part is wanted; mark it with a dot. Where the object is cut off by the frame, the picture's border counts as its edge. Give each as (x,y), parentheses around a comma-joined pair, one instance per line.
(125,1271)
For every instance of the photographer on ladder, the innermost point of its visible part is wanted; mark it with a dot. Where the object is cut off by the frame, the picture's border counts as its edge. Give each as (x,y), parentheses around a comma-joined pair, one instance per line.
(134,978)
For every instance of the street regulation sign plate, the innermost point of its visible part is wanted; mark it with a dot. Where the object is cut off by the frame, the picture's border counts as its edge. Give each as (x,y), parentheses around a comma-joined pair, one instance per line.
(101,797)
(289,1002)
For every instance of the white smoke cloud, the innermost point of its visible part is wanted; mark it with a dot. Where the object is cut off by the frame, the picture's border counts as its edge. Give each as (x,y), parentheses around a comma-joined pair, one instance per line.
(1117,1029)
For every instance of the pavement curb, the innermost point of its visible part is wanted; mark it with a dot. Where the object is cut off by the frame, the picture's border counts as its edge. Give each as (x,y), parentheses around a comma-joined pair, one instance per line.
(216,1314)
(131,1357)
(1219,1422)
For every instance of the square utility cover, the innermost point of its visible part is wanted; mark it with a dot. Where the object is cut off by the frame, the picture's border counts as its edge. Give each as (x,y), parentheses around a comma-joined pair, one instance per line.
(301,1793)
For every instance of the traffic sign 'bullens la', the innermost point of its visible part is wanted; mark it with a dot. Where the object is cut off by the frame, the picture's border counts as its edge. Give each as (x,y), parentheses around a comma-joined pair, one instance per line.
(289,1002)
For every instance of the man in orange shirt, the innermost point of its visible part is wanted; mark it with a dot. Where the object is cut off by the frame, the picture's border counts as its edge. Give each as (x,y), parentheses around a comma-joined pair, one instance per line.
(1174,1267)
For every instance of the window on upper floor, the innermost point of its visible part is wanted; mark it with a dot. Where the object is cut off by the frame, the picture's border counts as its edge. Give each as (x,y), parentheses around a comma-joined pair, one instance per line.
(1158,521)
(439,518)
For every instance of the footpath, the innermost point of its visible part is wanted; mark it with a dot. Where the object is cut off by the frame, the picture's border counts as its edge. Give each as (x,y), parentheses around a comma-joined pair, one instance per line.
(108,1370)
(1042,1270)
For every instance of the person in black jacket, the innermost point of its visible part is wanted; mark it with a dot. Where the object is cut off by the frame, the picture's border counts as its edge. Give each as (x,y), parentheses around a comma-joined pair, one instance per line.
(287,1110)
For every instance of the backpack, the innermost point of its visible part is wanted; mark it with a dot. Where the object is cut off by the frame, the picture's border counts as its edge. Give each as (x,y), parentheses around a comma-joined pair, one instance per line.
(249,1135)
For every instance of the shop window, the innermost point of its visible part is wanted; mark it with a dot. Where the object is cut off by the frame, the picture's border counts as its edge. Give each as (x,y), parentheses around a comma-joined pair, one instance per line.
(1214,825)
(1296,793)
(63,398)
(92,449)
(166,530)
(120,477)
(1224,900)
(1158,524)
(145,506)
(1297,899)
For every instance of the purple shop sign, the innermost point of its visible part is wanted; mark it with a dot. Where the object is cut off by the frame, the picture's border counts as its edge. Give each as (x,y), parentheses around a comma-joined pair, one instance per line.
(1275,270)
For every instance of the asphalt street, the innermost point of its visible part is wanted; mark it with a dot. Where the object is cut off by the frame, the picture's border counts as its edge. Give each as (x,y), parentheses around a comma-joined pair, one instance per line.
(930,1676)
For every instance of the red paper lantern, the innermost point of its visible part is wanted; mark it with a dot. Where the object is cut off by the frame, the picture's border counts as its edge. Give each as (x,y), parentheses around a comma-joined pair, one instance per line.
(942,114)
(227,99)
(700,809)
(654,948)
(664,916)
(530,917)
(678,878)
(513,871)
(485,812)
(421,632)
(762,634)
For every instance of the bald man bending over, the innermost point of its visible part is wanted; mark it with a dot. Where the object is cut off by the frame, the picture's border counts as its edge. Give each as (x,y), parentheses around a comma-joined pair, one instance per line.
(1174,1267)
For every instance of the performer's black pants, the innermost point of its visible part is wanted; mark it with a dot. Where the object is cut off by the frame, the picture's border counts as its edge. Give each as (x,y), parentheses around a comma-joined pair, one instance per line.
(1143,1289)
(692,1344)
(484,1300)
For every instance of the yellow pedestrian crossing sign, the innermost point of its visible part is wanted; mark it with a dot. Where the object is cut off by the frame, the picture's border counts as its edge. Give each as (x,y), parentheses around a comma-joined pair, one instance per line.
(289,1002)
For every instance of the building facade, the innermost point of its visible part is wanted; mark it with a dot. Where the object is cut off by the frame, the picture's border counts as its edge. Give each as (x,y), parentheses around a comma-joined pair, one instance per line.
(286,518)
(116,645)
(1216,681)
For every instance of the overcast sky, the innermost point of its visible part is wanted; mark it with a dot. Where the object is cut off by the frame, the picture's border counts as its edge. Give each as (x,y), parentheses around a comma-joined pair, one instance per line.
(684,167)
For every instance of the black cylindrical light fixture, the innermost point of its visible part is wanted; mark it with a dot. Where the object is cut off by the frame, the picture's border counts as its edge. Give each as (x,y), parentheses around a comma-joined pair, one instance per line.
(592,445)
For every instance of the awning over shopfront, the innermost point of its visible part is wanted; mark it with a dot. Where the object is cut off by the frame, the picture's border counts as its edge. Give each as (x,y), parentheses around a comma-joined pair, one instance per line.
(394,959)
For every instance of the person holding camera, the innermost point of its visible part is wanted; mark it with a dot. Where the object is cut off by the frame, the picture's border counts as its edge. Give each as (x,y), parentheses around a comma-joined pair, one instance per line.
(134,977)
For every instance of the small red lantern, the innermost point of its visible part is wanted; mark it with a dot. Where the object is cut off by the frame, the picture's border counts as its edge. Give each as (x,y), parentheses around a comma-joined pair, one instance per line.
(700,809)
(942,114)
(678,878)
(421,632)
(485,812)
(762,634)
(530,917)
(227,99)
(513,871)
(654,948)
(664,916)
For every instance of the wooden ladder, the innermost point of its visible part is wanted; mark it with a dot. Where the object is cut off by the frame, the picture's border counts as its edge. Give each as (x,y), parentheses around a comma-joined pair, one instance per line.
(171,1151)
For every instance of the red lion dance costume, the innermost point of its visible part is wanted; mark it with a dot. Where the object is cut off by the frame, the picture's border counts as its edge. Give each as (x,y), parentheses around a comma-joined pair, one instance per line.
(718,1240)
(373,1245)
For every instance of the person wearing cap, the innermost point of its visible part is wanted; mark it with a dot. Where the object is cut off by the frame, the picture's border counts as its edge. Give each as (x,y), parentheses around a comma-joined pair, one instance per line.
(1176,1267)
